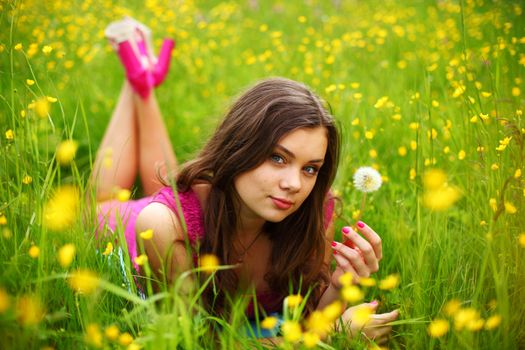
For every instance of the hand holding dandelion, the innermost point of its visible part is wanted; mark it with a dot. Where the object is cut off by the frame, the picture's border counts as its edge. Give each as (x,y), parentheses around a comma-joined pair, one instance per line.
(360,260)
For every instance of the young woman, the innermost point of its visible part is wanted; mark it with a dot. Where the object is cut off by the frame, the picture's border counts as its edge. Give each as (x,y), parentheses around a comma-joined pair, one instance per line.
(257,196)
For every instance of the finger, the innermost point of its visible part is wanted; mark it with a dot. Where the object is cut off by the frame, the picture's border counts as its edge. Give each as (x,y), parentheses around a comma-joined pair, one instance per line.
(382,339)
(364,246)
(372,237)
(354,258)
(345,265)
(386,317)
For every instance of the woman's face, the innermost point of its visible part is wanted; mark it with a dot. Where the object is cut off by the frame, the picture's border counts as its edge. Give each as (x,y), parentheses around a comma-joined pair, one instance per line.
(279,186)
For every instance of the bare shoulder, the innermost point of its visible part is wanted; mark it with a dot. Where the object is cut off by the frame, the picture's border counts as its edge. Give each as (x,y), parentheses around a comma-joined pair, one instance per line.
(161,219)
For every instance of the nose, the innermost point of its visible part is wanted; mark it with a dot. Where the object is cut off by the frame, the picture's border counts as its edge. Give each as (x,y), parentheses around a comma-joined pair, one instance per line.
(291,180)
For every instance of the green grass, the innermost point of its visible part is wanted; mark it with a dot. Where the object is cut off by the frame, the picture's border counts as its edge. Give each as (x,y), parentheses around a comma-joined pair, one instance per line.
(340,48)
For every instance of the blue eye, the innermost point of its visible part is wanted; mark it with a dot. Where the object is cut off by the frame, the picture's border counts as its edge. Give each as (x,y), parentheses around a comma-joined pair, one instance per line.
(311,170)
(277,159)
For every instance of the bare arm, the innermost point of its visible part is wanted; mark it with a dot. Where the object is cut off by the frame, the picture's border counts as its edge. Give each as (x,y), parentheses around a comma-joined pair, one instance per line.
(166,251)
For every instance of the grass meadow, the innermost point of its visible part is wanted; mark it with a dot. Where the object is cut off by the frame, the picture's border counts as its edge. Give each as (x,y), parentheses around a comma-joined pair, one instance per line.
(430,93)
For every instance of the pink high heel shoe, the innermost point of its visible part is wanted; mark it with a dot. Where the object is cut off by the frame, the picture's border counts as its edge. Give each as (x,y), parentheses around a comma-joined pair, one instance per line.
(161,68)
(132,42)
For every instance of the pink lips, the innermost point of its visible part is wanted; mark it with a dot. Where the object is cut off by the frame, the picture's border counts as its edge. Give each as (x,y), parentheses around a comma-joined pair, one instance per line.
(281,203)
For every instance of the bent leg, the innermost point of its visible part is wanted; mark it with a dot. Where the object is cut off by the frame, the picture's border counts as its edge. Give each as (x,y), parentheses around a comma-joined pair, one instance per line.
(156,155)
(116,162)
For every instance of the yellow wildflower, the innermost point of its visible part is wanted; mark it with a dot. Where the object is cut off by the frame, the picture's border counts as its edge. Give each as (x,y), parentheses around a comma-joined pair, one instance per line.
(7,233)
(61,211)
(412,174)
(510,208)
(434,179)
(361,315)
(112,332)
(41,107)
(93,335)
(47,49)
(493,322)
(389,282)
(413,145)
(294,300)
(413,126)
(355,121)
(9,135)
(441,199)
(493,204)
(27,180)
(352,294)
(123,194)
(141,259)
(503,143)
(369,135)
(516,91)
(66,254)
(402,151)
(4,301)
(84,281)
(494,166)
(30,82)
(438,328)
(517,174)
(29,310)
(333,310)
(66,151)
(521,240)
(318,323)
(465,316)
(461,155)
(311,339)
(109,249)
(452,306)
(292,331)
(381,102)
(34,251)
(125,339)
(209,263)
(367,281)
(146,235)
(269,322)
(475,325)
(486,94)
(3,220)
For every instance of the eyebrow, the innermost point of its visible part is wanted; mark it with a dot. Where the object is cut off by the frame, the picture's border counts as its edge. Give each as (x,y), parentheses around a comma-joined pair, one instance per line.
(290,154)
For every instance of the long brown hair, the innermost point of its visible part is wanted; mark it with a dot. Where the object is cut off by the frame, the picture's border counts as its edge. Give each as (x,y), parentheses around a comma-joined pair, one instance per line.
(245,139)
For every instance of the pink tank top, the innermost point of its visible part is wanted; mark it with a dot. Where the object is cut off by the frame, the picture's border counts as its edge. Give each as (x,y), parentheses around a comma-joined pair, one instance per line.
(194,220)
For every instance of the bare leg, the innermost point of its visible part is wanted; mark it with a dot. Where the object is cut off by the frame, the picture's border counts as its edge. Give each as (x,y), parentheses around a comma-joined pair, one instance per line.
(120,145)
(156,153)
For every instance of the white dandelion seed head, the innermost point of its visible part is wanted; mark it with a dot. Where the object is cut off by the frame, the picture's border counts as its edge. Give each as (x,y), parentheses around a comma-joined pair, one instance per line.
(367,179)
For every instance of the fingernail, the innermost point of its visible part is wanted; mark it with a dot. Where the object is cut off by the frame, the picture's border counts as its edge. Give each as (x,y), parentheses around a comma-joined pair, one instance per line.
(374,302)
(334,244)
(360,224)
(346,229)
(335,252)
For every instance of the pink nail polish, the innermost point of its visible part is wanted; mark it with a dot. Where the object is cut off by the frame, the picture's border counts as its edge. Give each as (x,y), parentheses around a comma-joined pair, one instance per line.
(346,229)
(335,252)
(360,224)
(334,244)
(374,302)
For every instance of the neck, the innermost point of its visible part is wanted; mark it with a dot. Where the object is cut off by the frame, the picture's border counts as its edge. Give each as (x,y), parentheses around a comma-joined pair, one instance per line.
(249,228)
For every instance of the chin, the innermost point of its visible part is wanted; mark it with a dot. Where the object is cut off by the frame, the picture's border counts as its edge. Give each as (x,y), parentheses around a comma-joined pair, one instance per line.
(278,217)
